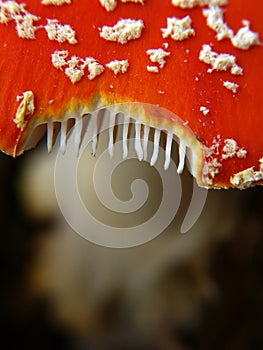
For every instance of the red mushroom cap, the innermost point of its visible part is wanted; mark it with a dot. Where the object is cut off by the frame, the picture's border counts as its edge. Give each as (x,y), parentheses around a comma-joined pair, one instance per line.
(200,60)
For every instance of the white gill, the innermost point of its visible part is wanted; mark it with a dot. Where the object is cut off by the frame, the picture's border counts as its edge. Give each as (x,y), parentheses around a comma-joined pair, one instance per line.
(50,132)
(146,130)
(111,130)
(63,136)
(140,143)
(168,150)
(94,140)
(182,152)
(125,130)
(157,134)
(138,146)
(78,127)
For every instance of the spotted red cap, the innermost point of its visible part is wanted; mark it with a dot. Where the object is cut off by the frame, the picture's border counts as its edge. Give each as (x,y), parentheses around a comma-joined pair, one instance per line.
(201,60)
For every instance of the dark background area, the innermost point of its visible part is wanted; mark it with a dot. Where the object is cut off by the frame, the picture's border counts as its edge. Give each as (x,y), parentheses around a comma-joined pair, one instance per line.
(234,322)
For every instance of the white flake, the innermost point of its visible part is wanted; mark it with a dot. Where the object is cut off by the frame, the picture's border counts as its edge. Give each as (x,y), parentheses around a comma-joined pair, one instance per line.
(236,70)
(25,25)
(58,58)
(95,68)
(74,68)
(118,66)
(215,20)
(123,31)
(158,56)
(109,5)
(193,3)
(231,86)
(245,38)
(55,2)
(11,10)
(59,32)
(247,178)
(178,29)
(231,150)
(219,62)
(212,164)
(25,108)
(210,170)
(136,1)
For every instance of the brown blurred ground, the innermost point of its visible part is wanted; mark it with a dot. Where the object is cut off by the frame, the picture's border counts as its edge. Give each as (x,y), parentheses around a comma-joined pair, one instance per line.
(230,318)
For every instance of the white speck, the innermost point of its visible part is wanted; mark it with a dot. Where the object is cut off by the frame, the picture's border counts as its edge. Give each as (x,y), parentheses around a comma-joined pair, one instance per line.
(152,69)
(204,110)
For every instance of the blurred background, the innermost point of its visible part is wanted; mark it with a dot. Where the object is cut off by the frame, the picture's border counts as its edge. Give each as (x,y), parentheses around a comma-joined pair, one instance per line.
(200,290)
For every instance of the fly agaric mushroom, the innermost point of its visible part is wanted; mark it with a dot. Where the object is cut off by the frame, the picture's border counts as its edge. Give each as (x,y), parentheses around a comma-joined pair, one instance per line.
(199,60)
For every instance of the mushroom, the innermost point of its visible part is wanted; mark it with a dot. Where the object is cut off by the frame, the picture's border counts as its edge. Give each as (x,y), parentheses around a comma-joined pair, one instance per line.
(193,71)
